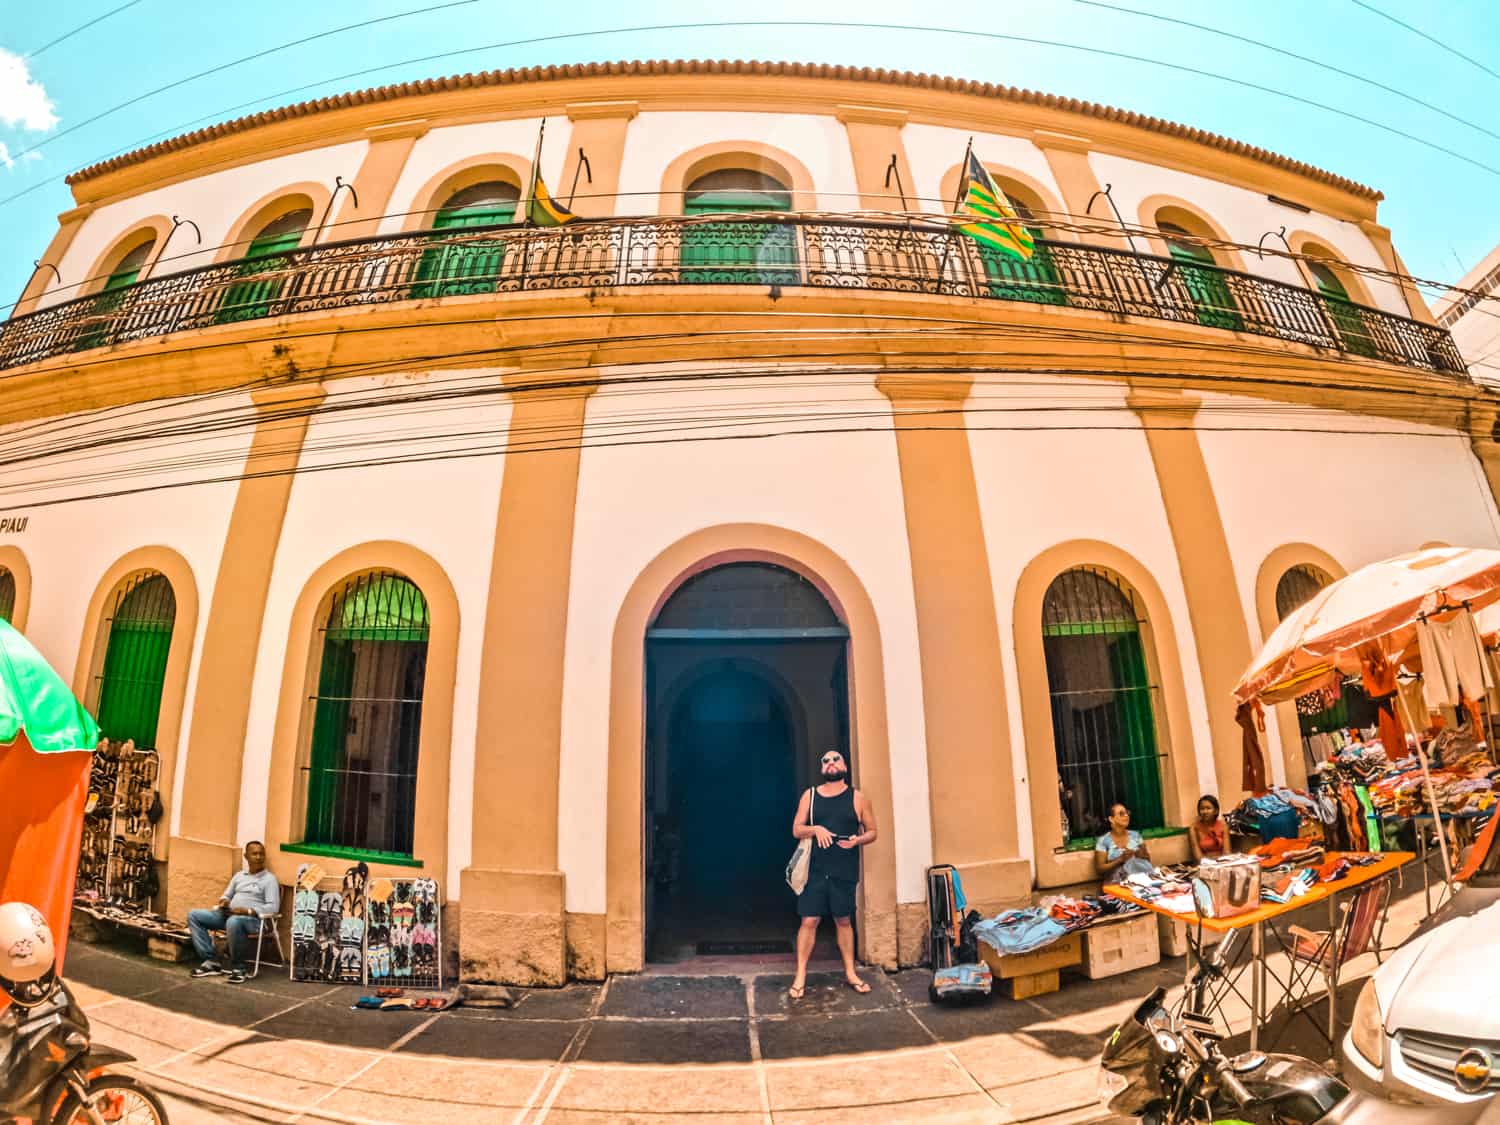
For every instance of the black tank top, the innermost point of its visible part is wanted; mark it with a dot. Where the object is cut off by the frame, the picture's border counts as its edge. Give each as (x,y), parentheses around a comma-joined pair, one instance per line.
(838,816)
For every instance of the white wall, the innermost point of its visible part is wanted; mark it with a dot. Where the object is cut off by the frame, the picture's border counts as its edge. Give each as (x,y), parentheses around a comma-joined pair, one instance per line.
(657,139)
(148,496)
(445,508)
(1244,215)
(932,150)
(634,502)
(440,149)
(214,201)
(1083,471)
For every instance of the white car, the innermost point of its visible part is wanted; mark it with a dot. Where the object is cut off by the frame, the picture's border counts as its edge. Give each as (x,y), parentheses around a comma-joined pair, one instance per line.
(1426,1027)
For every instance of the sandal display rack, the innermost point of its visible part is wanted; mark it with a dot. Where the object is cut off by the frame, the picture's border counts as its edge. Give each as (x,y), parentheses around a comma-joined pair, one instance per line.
(117,877)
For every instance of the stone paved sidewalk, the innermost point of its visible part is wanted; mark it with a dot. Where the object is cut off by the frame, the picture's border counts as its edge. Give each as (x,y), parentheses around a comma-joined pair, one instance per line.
(650,1048)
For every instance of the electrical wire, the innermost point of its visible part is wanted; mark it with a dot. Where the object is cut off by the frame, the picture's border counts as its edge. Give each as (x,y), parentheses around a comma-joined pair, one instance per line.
(65,36)
(1419,33)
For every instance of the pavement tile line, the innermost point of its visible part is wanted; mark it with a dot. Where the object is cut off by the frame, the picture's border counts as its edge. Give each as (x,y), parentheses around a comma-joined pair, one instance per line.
(570,1053)
(755,1056)
(379,1058)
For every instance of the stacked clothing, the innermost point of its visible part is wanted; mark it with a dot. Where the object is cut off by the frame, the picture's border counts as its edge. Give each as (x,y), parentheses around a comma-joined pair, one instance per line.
(1169,892)
(1078,913)
(1288,885)
(1285,852)
(1019,931)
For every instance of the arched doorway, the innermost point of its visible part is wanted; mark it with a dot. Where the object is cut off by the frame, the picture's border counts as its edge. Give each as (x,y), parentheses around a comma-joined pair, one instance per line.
(747,683)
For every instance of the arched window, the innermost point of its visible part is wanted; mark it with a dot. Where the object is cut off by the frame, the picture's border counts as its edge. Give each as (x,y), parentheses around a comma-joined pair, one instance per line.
(98,329)
(468,266)
(7,595)
(1017,279)
(361,773)
(1347,317)
(1315,713)
(141,615)
(747,595)
(265,259)
(1103,713)
(746,251)
(1207,289)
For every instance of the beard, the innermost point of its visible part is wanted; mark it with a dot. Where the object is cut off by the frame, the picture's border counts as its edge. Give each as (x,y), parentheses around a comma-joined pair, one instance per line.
(840,774)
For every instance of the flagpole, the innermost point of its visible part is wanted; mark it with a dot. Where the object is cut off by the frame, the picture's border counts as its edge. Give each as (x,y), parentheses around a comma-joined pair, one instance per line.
(963,175)
(536,163)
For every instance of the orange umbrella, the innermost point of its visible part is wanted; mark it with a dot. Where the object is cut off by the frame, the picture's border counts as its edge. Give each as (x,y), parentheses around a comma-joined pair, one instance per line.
(1377,604)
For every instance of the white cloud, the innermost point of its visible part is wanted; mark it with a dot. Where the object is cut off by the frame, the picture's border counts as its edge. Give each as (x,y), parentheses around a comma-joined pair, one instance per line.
(6,160)
(23,101)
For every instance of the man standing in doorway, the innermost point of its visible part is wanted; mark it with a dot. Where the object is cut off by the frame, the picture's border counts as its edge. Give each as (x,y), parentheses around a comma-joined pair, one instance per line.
(839,820)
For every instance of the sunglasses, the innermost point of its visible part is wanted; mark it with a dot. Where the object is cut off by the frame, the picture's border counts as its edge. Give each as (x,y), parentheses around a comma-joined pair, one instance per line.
(832,758)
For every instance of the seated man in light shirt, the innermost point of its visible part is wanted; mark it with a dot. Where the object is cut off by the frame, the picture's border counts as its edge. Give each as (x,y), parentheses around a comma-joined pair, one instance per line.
(251,895)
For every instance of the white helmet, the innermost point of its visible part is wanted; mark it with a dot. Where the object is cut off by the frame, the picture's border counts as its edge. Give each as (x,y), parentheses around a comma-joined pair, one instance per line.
(27,953)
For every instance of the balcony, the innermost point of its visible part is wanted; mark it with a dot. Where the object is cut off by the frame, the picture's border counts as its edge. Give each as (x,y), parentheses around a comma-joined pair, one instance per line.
(795,251)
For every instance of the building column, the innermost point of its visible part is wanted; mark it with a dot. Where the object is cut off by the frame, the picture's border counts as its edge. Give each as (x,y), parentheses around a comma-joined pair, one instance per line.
(204,852)
(1221,635)
(513,925)
(69,224)
(599,130)
(1068,157)
(874,138)
(375,182)
(1380,237)
(971,775)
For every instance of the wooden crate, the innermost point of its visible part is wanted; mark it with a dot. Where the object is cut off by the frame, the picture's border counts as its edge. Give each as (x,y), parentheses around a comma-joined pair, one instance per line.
(1028,985)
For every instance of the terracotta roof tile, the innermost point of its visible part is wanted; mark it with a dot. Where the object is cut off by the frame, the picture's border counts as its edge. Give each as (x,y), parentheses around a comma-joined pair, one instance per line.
(532,74)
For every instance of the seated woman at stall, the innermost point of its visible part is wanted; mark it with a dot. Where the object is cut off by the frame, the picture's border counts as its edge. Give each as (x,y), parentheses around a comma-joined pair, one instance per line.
(1120,851)
(1209,837)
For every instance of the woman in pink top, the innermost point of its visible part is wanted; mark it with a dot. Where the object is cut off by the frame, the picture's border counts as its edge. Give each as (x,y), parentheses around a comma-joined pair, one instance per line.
(1209,835)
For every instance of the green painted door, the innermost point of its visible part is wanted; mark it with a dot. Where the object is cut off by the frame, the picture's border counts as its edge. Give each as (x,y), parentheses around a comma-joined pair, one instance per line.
(739,253)
(1206,287)
(135,662)
(268,255)
(97,331)
(1347,317)
(467,267)
(1014,279)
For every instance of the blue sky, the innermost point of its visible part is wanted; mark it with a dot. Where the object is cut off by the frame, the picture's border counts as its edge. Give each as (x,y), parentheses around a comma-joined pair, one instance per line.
(1440,206)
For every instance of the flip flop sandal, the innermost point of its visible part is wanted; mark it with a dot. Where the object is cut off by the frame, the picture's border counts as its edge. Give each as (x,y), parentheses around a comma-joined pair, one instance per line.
(860,987)
(797,993)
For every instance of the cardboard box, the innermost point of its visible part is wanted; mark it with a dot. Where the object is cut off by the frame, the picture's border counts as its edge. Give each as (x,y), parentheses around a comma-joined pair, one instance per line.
(1066,950)
(1033,984)
(1174,936)
(1112,947)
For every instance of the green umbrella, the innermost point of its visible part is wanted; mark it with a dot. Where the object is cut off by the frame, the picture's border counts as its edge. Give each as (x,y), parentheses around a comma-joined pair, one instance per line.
(34,700)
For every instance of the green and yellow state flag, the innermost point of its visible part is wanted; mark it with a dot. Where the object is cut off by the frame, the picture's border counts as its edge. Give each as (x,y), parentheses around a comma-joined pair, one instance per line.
(999,226)
(544,211)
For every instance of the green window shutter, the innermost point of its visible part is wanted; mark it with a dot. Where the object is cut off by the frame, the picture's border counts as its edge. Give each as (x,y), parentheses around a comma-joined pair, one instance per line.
(108,301)
(739,253)
(1212,301)
(468,267)
(252,300)
(1347,318)
(7,595)
(135,662)
(362,765)
(1012,279)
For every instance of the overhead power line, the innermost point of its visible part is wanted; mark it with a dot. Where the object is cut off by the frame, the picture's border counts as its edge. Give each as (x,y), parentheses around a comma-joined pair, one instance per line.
(65,36)
(1420,34)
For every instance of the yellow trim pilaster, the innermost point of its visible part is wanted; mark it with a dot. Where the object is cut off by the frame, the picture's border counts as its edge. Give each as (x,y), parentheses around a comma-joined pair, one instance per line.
(205,851)
(375,182)
(1220,632)
(874,137)
(971,778)
(513,926)
(599,130)
(69,224)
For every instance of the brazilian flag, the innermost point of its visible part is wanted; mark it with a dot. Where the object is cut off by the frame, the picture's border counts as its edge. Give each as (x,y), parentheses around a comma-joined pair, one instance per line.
(999,227)
(544,211)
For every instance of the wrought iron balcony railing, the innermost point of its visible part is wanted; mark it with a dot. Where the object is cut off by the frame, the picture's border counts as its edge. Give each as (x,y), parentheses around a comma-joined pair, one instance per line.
(817,252)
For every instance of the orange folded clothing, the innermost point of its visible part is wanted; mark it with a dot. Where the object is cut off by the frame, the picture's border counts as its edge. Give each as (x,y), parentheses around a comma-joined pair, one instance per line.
(1284,851)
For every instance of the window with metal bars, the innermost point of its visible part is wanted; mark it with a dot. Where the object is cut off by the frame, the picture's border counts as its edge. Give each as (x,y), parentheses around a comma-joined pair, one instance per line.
(1205,285)
(140,620)
(1103,710)
(265,260)
(360,779)
(1296,588)
(451,268)
(7,595)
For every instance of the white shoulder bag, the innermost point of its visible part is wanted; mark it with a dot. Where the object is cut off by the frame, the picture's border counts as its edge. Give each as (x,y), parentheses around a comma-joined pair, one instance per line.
(796,867)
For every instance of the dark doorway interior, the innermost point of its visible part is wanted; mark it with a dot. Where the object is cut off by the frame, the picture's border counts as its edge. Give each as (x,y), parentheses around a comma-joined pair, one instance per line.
(737,714)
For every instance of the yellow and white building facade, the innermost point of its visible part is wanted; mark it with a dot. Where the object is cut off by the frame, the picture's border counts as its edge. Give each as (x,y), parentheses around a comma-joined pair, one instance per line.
(546,561)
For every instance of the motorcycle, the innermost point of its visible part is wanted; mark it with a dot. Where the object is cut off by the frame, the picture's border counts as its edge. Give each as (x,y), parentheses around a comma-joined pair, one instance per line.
(52,1073)
(1167,1069)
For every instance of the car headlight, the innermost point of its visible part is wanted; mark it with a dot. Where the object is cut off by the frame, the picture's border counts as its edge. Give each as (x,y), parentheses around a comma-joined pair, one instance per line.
(1367,1031)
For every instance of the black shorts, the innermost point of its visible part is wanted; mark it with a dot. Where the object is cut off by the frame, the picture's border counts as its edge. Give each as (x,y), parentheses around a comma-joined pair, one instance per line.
(825,894)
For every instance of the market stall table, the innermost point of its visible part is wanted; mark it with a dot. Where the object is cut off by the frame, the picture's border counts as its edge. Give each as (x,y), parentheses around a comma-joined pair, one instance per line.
(1255,921)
